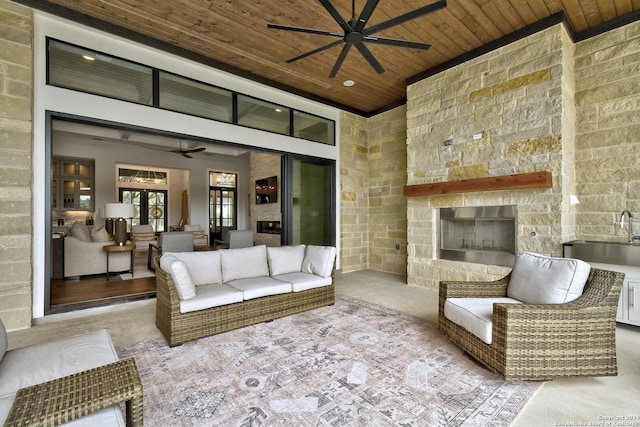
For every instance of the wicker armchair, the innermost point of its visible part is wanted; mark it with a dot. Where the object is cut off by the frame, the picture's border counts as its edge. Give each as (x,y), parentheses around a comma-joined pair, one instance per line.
(543,341)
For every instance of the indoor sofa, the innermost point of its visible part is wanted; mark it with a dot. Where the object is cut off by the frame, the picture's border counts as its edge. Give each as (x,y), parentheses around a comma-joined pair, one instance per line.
(77,380)
(204,293)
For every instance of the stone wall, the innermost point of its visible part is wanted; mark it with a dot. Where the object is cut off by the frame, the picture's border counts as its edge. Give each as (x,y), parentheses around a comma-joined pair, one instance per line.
(516,99)
(608,138)
(387,164)
(354,192)
(16,70)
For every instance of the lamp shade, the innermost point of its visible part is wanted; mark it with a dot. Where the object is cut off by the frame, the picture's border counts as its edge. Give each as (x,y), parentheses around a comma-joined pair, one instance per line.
(119,210)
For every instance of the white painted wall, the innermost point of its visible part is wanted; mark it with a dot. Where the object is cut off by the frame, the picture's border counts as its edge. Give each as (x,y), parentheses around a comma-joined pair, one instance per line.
(53,99)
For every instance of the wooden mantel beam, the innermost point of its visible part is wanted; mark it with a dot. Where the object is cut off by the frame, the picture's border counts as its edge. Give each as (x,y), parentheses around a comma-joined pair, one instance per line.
(542,179)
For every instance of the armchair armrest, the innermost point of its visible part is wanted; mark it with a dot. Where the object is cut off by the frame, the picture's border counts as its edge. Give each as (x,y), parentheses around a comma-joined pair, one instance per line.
(74,396)
(490,289)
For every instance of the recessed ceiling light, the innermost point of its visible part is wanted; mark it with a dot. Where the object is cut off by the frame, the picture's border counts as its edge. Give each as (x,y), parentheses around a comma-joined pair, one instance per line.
(278,110)
(89,57)
(348,83)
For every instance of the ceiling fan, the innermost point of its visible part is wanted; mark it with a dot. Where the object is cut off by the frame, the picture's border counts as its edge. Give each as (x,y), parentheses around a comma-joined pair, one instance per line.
(185,151)
(355,34)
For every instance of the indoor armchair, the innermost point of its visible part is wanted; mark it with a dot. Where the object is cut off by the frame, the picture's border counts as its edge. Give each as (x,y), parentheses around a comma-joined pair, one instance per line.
(540,341)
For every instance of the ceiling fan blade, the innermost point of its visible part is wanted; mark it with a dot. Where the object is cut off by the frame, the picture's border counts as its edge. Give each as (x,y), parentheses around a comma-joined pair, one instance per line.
(368,9)
(440,4)
(397,42)
(370,58)
(186,155)
(311,52)
(336,15)
(340,60)
(304,30)
(195,150)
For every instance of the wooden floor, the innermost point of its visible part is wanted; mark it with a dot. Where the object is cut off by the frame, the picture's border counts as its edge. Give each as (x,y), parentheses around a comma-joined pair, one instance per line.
(95,290)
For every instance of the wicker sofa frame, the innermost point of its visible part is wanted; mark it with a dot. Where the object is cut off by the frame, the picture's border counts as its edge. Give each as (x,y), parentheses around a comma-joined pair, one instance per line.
(179,328)
(543,341)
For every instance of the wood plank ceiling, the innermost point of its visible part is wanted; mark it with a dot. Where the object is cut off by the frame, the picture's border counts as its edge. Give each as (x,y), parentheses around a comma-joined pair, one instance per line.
(235,33)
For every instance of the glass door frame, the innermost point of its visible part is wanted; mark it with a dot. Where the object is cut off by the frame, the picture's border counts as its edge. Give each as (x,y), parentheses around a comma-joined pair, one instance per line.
(286,237)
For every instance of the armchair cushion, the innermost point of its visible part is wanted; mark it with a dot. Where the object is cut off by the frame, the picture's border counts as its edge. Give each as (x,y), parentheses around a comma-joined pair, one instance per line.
(474,314)
(538,279)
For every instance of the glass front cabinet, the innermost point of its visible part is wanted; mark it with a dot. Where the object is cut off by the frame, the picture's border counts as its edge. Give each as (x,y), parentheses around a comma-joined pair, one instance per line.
(72,184)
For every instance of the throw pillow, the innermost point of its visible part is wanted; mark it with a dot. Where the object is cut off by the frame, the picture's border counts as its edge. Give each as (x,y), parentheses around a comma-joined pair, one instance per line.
(4,343)
(80,231)
(285,259)
(100,235)
(319,260)
(181,277)
(539,279)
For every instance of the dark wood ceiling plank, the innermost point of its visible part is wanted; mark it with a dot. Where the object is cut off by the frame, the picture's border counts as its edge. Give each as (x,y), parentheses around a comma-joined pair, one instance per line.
(575,14)
(623,7)
(479,23)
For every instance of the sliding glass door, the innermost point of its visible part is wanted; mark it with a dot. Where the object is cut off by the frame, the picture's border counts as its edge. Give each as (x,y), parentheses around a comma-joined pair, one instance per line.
(311,205)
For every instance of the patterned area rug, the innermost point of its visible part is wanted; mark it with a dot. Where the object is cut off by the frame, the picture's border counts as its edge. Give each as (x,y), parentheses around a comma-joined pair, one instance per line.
(353,364)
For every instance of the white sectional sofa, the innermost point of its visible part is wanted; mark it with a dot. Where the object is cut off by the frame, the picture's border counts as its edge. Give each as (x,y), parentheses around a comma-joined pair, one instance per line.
(204,293)
(37,364)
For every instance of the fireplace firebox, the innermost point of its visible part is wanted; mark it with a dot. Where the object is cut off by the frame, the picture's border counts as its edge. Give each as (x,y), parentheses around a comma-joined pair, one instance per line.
(478,234)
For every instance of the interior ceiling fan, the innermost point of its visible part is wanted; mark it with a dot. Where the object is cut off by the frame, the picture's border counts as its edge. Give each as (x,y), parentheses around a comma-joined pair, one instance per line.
(355,34)
(185,151)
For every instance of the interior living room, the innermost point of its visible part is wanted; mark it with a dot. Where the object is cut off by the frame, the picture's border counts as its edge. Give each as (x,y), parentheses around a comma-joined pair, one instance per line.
(528,108)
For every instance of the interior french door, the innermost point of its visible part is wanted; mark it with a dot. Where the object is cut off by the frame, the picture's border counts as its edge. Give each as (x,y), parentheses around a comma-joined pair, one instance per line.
(150,207)
(222,210)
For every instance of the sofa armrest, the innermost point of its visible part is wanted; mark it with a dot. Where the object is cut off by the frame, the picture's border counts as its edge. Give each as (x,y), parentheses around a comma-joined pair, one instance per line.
(78,395)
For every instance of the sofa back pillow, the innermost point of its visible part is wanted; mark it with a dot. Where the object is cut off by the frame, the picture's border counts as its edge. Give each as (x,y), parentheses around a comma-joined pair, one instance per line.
(244,263)
(80,231)
(539,279)
(205,267)
(319,260)
(179,272)
(285,259)
(100,235)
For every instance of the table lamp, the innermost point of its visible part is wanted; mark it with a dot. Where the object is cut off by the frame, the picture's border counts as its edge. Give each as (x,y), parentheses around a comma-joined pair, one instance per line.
(118,212)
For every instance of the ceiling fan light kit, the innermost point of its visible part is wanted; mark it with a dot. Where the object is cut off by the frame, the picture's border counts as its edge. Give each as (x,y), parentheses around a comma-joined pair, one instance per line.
(355,34)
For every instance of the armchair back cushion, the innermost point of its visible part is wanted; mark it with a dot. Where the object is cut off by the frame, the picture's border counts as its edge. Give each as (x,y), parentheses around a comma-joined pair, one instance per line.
(285,259)
(244,263)
(319,260)
(176,241)
(538,279)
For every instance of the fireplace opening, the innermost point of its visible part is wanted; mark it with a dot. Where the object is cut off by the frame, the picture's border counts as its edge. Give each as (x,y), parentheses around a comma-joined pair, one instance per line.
(478,234)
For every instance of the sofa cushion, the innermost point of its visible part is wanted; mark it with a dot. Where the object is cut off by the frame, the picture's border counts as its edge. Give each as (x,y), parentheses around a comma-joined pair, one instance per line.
(81,232)
(205,267)
(100,235)
(474,314)
(244,263)
(4,343)
(303,281)
(208,296)
(285,259)
(179,272)
(539,279)
(319,260)
(256,287)
(24,367)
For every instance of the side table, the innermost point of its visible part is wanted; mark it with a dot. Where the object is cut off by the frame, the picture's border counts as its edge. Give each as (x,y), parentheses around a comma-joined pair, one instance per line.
(69,398)
(119,248)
